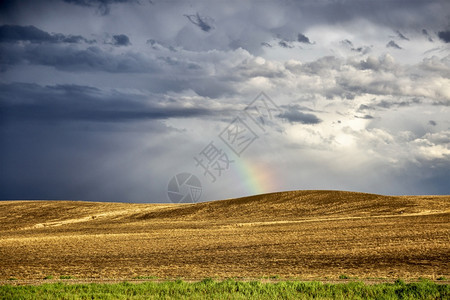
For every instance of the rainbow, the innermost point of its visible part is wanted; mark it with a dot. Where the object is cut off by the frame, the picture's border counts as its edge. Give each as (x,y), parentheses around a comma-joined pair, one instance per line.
(257,178)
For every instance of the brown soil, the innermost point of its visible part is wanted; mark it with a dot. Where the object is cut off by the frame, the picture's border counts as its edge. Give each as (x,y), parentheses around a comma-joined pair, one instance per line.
(298,234)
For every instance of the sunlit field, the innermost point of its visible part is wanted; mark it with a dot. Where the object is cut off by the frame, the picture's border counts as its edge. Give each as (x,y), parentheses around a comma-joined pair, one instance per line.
(300,235)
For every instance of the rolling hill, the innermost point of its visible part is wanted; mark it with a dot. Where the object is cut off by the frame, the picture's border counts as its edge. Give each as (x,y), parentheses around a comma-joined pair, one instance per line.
(301,234)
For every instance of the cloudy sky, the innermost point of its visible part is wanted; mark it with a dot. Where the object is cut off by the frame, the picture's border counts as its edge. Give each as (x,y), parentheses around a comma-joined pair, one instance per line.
(107,100)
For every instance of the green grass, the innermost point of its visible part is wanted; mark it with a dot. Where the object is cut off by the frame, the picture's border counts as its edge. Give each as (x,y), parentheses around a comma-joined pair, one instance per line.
(229,289)
(49,277)
(66,277)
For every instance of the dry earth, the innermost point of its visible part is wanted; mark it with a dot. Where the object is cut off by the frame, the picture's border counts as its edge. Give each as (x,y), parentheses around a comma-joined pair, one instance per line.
(301,234)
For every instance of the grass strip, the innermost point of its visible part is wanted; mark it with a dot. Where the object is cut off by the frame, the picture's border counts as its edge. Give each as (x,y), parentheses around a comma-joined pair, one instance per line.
(229,289)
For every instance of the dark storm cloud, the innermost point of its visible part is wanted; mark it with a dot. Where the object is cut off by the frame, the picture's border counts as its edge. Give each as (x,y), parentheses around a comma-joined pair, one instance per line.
(75,59)
(114,140)
(83,143)
(395,14)
(16,33)
(393,44)
(437,182)
(103,6)
(444,35)
(76,39)
(97,2)
(121,40)
(202,22)
(32,102)
(293,115)
(81,161)
(303,39)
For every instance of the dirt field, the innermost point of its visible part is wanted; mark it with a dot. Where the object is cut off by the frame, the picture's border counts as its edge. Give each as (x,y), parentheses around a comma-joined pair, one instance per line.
(301,234)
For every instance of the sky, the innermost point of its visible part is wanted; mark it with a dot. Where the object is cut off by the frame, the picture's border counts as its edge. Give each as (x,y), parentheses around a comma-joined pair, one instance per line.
(168,101)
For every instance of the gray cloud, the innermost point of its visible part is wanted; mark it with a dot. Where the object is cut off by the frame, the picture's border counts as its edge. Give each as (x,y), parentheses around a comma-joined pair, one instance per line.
(154,44)
(303,39)
(76,59)
(103,6)
(83,160)
(16,33)
(388,104)
(293,115)
(321,65)
(31,102)
(121,40)
(402,36)
(347,42)
(285,44)
(98,122)
(444,35)
(363,107)
(366,117)
(204,23)
(425,33)
(393,44)
(363,49)
(395,14)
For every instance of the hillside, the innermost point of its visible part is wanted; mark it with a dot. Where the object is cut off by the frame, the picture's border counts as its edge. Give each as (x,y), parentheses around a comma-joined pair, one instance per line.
(303,234)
